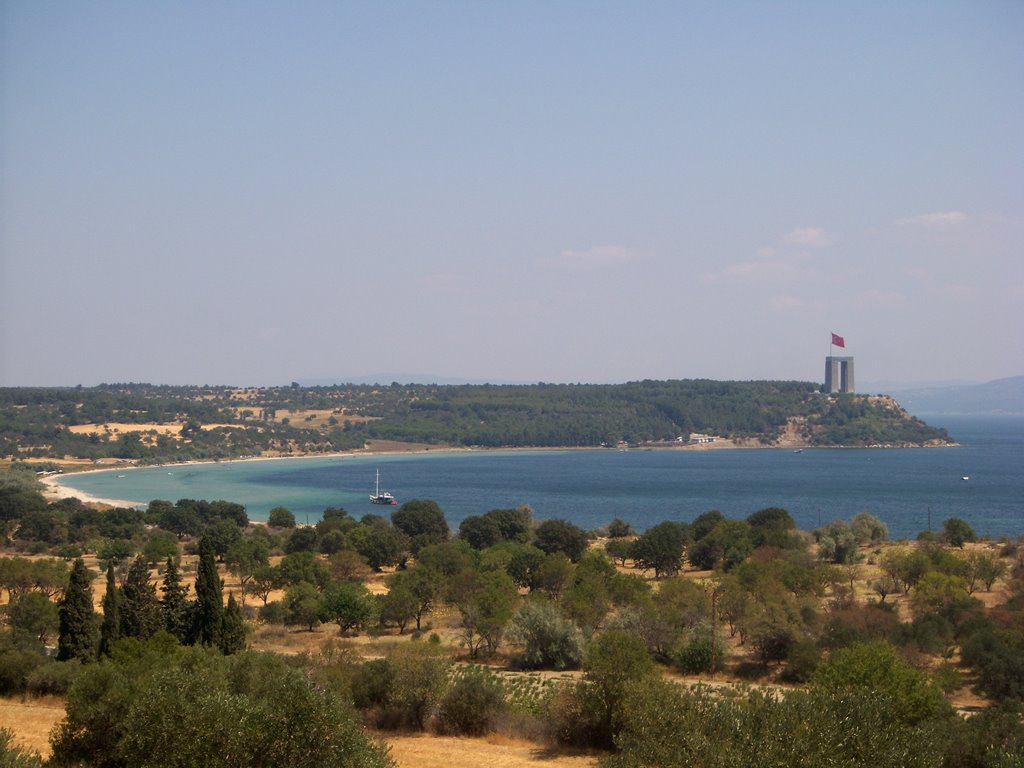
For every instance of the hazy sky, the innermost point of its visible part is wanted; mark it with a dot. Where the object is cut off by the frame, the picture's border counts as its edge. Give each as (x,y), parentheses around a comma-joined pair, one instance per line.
(259,192)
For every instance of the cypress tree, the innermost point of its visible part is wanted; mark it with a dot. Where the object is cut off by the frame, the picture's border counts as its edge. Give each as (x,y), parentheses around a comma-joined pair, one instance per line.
(175,603)
(79,634)
(110,629)
(232,639)
(140,608)
(208,614)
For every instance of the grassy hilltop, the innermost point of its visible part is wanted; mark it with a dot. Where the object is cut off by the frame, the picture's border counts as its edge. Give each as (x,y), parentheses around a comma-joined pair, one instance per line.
(143,422)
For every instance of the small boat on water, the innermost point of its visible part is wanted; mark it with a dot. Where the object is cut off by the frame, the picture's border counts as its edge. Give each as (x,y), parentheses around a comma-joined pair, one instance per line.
(381,497)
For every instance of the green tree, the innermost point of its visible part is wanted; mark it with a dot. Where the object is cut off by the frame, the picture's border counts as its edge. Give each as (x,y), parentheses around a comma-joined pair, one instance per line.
(423,584)
(619,529)
(174,603)
(486,608)
(79,634)
(114,551)
(140,608)
(983,567)
(222,534)
(876,667)
(245,555)
(549,640)
(552,575)
(303,566)
(381,546)
(265,580)
(937,592)
(561,536)
(422,521)
(232,638)
(836,542)
(515,525)
(771,527)
(661,548)
(420,675)
(593,715)
(35,615)
(281,517)
(302,605)
(110,627)
(480,531)
(208,611)
(868,529)
(724,547)
(348,604)
(957,532)
(160,547)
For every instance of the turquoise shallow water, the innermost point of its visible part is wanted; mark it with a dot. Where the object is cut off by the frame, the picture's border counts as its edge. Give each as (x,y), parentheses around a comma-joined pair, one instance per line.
(643,487)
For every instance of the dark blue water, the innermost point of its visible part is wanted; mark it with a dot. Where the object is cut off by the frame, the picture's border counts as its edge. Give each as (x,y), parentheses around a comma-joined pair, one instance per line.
(590,488)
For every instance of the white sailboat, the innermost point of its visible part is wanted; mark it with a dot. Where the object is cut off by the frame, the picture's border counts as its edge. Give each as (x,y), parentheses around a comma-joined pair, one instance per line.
(379,496)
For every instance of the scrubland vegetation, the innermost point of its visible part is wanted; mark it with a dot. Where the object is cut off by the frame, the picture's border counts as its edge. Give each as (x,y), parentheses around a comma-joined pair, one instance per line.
(145,423)
(183,635)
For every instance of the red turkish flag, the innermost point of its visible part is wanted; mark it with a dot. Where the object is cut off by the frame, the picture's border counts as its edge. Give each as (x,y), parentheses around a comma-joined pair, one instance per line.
(838,341)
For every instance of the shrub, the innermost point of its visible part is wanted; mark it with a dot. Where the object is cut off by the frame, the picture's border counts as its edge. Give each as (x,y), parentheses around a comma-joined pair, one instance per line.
(801,662)
(418,680)
(16,664)
(698,652)
(196,707)
(876,667)
(589,713)
(551,641)
(472,704)
(12,756)
(54,678)
(273,613)
(372,682)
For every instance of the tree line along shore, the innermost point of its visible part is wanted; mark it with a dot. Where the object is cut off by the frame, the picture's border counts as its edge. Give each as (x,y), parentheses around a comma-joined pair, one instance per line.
(184,630)
(144,423)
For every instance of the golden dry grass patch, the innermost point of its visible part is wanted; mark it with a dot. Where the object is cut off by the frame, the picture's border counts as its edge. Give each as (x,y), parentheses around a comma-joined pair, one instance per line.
(31,721)
(495,751)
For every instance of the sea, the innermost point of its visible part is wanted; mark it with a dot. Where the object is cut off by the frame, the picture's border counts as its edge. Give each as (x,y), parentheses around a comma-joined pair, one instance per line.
(981,480)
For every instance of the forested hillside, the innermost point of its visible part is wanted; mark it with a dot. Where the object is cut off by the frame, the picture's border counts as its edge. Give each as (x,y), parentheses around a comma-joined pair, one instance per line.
(142,422)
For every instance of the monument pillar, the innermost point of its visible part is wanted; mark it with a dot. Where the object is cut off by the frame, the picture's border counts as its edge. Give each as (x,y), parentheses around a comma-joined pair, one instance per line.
(838,374)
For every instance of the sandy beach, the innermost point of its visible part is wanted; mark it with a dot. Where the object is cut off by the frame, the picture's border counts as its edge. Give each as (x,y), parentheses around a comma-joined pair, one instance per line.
(56,490)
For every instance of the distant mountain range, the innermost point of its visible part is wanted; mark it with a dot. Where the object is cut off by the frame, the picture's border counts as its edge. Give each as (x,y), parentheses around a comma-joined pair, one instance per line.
(1002,396)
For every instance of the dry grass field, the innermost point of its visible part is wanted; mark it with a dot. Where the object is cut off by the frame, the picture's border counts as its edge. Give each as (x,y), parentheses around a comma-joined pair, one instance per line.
(31,720)
(495,751)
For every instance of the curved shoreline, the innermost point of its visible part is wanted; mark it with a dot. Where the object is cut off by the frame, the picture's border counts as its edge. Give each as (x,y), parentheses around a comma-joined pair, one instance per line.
(57,489)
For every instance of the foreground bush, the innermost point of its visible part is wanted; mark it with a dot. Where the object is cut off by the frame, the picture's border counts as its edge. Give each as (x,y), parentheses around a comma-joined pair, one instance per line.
(155,704)
(12,756)
(589,713)
(665,726)
(472,704)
